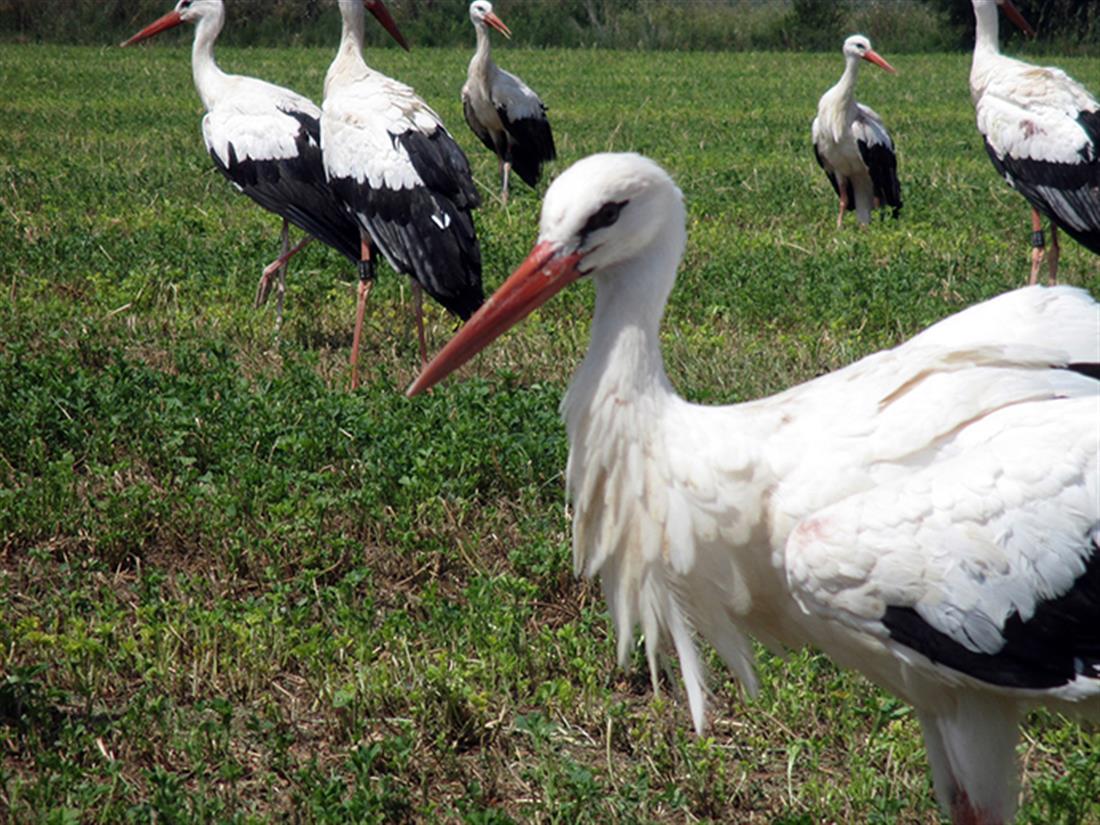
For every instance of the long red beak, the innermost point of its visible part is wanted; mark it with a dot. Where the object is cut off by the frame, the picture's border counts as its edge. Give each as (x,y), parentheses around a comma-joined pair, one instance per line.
(169,21)
(1013,14)
(543,274)
(878,60)
(382,15)
(498,24)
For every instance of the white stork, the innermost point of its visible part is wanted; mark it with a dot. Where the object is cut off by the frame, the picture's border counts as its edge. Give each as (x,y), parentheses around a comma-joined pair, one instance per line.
(502,110)
(929,515)
(265,139)
(851,143)
(1042,132)
(398,171)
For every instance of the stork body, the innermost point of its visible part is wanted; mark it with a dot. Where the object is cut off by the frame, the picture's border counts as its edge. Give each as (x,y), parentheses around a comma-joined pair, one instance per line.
(402,177)
(1042,131)
(929,515)
(851,143)
(265,140)
(501,109)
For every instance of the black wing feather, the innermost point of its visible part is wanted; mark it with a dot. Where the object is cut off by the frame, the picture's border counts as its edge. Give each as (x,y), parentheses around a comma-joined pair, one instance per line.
(1059,642)
(530,144)
(882,164)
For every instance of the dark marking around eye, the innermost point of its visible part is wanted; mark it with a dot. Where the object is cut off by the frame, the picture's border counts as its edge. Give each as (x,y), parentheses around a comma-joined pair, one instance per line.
(603,217)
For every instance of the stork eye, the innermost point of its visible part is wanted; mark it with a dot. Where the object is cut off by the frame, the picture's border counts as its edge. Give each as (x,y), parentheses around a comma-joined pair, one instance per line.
(603,217)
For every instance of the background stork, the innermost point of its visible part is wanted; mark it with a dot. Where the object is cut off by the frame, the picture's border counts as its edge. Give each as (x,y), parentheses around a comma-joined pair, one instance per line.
(502,110)
(265,139)
(1042,131)
(400,174)
(929,515)
(851,143)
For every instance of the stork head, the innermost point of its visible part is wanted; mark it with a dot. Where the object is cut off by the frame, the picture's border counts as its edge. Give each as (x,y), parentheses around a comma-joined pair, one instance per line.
(607,216)
(859,47)
(186,11)
(481,13)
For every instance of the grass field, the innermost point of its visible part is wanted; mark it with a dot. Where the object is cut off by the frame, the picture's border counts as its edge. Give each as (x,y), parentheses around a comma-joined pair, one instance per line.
(232,591)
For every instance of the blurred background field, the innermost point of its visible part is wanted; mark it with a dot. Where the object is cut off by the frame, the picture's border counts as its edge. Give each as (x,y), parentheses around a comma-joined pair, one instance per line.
(725,25)
(232,591)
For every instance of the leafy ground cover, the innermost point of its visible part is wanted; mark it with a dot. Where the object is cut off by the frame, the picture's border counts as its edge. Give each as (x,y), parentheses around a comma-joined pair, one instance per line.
(232,591)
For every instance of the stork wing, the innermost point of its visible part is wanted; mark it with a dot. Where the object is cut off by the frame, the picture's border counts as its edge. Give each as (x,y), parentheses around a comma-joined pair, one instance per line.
(877,150)
(388,156)
(985,565)
(1042,132)
(266,141)
(524,118)
(821,159)
(476,125)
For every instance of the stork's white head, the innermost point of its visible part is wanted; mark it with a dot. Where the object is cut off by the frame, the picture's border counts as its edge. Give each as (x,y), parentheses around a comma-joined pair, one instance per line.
(858,47)
(607,208)
(186,11)
(193,10)
(611,216)
(481,14)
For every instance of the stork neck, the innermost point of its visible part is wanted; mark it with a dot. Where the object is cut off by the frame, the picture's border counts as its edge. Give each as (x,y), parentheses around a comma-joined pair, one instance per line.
(482,55)
(209,79)
(349,56)
(624,360)
(985,32)
(846,86)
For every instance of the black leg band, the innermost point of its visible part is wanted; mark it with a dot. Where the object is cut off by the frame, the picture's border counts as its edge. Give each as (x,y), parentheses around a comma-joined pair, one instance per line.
(1037,239)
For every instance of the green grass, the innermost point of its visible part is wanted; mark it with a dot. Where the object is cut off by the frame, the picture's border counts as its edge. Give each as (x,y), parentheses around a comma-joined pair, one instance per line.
(232,591)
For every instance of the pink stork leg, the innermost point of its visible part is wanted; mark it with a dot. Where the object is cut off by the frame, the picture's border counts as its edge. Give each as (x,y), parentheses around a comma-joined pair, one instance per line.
(1038,245)
(842,185)
(505,169)
(278,265)
(366,281)
(1052,256)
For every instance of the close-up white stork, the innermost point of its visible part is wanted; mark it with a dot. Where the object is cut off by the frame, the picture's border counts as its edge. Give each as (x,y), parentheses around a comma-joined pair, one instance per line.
(399,172)
(851,143)
(265,139)
(501,109)
(1042,131)
(929,515)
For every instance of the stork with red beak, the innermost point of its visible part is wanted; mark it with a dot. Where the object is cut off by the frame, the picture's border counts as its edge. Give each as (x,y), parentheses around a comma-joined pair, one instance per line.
(851,143)
(1042,131)
(266,140)
(501,109)
(402,178)
(929,515)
